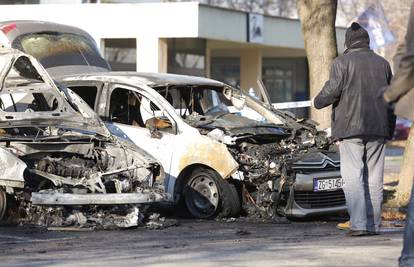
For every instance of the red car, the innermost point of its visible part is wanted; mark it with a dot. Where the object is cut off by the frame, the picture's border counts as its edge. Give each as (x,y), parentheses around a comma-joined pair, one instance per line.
(402,128)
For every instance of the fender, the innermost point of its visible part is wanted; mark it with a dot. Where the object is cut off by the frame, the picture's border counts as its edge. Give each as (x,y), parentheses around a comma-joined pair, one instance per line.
(11,170)
(210,153)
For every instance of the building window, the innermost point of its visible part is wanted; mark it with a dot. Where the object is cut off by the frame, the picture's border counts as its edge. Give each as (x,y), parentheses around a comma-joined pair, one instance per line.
(279,80)
(186,56)
(121,54)
(226,70)
(287,80)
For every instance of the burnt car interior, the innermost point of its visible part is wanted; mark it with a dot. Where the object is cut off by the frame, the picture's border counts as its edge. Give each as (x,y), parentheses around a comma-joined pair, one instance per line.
(131,108)
(202,100)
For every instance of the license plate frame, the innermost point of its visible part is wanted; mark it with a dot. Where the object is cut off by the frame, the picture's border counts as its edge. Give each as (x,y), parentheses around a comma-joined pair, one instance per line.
(327,184)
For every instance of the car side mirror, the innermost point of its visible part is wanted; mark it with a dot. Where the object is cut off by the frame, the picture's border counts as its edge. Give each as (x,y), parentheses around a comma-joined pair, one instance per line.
(152,125)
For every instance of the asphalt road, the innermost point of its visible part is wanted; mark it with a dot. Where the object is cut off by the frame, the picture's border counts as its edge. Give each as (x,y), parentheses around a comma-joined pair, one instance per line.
(200,243)
(206,243)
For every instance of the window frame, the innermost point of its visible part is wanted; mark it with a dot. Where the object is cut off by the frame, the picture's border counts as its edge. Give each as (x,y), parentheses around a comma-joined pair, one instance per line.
(97,85)
(113,86)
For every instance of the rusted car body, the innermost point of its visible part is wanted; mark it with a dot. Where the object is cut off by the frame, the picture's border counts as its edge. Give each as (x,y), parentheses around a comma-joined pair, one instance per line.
(59,165)
(216,161)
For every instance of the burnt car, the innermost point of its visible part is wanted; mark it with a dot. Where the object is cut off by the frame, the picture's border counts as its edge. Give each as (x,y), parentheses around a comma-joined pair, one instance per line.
(219,162)
(59,165)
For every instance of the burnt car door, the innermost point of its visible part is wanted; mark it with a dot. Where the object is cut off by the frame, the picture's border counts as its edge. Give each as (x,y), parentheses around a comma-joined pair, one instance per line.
(141,119)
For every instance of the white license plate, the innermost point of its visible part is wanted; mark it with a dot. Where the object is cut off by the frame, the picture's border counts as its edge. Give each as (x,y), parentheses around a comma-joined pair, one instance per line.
(327,184)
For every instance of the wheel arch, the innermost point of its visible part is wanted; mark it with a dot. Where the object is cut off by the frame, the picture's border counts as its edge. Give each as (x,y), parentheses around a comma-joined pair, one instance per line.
(211,154)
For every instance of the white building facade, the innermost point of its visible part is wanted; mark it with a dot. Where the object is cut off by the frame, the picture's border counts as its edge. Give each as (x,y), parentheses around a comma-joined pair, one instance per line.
(190,38)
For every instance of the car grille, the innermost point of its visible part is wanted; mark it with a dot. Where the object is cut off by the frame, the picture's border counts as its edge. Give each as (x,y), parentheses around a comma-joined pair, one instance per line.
(306,170)
(312,200)
(318,161)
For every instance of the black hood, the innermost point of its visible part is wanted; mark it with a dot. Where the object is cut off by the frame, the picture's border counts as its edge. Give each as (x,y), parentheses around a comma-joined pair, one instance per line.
(356,37)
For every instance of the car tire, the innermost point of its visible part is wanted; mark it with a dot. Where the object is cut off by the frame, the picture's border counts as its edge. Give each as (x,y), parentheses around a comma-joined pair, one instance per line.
(207,195)
(3,204)
(234,201)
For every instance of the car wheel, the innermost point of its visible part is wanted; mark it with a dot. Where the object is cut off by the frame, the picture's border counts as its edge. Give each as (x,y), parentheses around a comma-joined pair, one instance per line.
(3,204)
(207,195)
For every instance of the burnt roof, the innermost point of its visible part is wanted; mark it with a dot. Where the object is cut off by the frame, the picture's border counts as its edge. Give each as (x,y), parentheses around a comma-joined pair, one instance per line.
(151,79)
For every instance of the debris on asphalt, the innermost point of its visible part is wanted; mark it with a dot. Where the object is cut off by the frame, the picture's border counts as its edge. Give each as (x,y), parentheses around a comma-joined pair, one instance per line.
(242,232)
(155,221)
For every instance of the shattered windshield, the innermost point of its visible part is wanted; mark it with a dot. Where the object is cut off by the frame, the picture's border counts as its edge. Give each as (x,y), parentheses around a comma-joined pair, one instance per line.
(55,49)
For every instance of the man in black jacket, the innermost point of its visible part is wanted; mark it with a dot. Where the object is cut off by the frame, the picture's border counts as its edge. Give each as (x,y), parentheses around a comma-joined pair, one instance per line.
(361,122)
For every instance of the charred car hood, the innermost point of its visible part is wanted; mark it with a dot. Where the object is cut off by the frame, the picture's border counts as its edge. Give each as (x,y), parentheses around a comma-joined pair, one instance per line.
(235,125)
(70,111)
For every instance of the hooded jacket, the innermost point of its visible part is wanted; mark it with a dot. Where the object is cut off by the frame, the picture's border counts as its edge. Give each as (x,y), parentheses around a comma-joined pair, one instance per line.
(401,90)
(353,89)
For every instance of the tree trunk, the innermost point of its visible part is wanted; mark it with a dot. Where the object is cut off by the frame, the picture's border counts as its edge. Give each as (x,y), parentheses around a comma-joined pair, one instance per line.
(407,172)
(318,29)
